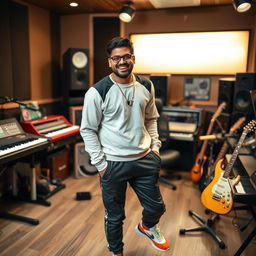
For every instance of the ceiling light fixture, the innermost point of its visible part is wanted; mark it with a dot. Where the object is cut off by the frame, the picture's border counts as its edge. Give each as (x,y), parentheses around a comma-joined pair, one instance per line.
(127,12)
(73,4)
(242,5)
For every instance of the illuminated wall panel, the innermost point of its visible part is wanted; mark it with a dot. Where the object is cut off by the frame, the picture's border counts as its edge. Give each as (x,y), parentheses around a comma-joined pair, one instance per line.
(223,52)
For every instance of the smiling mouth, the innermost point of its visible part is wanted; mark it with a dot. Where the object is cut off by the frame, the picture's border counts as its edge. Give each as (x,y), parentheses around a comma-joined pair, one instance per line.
(123,67)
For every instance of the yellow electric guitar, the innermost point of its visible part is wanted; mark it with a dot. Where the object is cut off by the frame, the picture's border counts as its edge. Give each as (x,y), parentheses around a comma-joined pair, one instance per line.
(217,196)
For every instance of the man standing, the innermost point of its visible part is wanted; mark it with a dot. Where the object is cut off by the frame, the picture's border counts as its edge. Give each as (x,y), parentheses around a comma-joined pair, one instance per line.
(119,129)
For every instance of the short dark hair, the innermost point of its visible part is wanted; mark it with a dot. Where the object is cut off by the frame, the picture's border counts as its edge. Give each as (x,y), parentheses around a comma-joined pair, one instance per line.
(118,42)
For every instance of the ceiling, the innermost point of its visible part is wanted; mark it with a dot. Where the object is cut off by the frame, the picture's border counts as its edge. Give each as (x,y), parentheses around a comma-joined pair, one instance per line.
(110,6)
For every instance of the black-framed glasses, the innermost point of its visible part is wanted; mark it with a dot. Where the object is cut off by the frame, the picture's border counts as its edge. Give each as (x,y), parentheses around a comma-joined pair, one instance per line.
(117,58)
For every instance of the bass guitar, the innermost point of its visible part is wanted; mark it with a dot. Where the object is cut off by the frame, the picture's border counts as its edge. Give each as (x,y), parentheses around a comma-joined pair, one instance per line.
(217,196)
(207,178)
(197,171)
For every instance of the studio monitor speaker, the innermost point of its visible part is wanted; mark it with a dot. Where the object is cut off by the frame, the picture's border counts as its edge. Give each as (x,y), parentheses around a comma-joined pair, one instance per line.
(76,74)
(242,100)
(82,166)
(226,91)
(161,83)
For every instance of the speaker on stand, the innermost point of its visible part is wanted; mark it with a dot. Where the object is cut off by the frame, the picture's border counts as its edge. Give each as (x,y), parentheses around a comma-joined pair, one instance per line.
(82,166)
(75,75)
(226,92)
(161,83)
(242,103)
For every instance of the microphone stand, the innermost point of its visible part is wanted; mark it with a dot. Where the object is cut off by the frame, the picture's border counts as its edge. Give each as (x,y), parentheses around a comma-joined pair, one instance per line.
(11,100)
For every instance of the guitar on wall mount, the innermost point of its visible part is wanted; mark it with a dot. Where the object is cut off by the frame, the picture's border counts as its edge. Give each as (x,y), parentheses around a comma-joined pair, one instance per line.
(196,171)
(217,196)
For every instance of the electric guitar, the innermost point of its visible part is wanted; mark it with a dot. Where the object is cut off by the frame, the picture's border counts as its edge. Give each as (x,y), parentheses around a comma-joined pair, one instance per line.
(217,196)
(197,171)
(207,178)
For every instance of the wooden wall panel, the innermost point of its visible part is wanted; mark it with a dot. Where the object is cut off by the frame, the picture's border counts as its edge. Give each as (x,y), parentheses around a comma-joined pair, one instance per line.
(6,81)
(15,72)
(20,51)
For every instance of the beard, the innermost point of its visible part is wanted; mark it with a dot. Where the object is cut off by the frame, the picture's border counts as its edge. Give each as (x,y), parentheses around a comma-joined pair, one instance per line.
(123,74)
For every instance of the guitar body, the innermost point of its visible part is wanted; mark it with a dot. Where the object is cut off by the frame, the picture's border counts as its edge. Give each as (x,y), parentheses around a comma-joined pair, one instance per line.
(196,171)
(217,196)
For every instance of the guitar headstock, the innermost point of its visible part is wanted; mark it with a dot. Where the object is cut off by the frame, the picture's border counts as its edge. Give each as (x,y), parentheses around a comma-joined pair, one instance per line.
(250,127)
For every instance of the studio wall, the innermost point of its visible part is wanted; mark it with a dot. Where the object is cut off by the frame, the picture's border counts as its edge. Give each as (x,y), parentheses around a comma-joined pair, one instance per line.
(212,18)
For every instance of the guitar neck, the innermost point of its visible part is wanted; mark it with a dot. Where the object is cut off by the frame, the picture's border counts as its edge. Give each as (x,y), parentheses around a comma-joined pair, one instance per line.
(205,143)
(222,152)
(234,155)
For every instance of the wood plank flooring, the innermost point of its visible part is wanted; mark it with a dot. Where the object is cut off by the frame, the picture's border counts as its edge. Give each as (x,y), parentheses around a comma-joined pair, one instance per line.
(75,228)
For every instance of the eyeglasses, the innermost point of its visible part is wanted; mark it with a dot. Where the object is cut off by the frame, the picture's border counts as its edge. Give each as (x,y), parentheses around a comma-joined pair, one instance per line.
(125,57)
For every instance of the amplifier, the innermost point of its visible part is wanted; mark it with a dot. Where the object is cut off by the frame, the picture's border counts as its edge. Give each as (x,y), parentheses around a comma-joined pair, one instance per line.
(59,164)
(82,164)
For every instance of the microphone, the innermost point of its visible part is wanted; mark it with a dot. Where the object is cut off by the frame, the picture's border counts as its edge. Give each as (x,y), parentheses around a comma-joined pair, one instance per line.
(217,136)
(33,108)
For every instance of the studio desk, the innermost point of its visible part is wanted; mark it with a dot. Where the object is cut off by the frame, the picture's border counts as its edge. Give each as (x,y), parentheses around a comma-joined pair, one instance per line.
(30,142)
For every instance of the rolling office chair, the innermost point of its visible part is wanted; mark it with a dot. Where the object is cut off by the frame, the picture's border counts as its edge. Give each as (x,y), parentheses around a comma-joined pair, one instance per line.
(168,156)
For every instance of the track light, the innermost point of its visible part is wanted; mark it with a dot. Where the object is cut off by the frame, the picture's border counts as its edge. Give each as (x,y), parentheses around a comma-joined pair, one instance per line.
(127,12)
(242,5)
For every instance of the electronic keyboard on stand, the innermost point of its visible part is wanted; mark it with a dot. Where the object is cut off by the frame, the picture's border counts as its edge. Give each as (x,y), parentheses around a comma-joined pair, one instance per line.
(53,127)
(15,143)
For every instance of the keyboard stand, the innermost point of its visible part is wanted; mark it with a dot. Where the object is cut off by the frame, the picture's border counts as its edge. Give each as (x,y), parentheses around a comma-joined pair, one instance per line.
(10,216)
(33,193)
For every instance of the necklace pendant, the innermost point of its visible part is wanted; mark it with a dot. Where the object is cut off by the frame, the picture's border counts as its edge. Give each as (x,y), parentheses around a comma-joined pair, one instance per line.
(130,102)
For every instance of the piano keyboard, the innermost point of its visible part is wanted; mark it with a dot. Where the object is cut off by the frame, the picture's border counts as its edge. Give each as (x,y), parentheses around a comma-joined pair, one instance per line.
(61,131)
(21,145)
(53,127)
(181,136)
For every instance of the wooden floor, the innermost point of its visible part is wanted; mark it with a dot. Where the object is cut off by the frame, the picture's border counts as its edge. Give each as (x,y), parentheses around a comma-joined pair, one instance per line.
(69,227)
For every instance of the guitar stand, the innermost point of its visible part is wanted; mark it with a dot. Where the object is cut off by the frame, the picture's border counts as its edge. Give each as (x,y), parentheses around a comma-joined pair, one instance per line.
(206,226)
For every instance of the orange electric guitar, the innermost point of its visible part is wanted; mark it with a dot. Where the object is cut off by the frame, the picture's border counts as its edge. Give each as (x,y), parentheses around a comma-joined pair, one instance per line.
(197,170)
(217,196)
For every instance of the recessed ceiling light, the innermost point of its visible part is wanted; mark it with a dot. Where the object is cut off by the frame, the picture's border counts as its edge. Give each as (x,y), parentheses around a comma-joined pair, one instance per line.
(73,4)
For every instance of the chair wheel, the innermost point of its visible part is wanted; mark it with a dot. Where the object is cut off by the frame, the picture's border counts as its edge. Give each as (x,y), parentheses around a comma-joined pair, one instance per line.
(222,245)
(182,231)
(190,213)
(174,188)
(207,211)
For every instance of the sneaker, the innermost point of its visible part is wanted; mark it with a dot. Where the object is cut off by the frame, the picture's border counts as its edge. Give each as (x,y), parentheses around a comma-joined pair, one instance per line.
(154,235)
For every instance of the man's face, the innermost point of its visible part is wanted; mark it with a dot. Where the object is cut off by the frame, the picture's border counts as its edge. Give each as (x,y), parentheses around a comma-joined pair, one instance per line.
(121,62)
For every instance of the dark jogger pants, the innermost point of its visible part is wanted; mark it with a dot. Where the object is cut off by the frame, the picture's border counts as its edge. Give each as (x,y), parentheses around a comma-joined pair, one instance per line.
(142,175)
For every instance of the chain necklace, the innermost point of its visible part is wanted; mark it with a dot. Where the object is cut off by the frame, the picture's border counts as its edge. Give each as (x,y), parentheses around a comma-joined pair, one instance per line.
(129,101)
